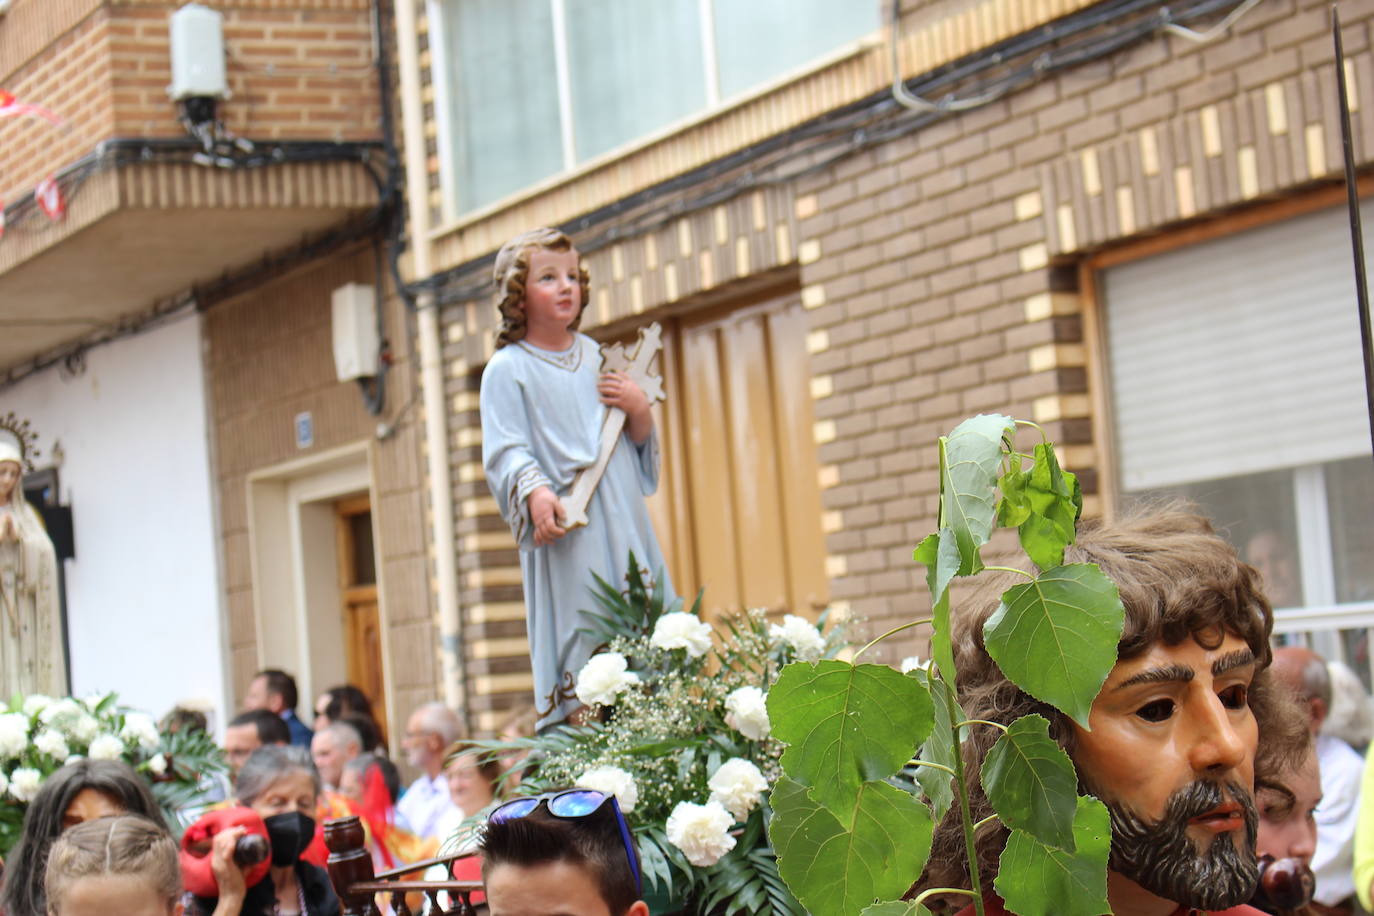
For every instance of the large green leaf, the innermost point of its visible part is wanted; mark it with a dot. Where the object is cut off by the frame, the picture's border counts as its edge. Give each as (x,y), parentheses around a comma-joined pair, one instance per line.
(836,871)
(969,457)
(896,908)
(940,554)
(1031,782)
(1056,637)
(1055,501)
(939,748)
(1039,880)
(1014,507)
(846,724)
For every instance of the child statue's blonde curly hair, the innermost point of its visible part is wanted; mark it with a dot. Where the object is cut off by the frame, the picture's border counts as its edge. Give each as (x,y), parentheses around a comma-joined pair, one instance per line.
(512,268)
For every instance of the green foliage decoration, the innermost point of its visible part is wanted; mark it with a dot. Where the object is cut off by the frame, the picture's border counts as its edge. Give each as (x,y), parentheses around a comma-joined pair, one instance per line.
(684,703)
(858,741)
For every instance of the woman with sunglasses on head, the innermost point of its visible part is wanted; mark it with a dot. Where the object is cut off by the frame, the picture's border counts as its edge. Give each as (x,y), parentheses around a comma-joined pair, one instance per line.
(568,853)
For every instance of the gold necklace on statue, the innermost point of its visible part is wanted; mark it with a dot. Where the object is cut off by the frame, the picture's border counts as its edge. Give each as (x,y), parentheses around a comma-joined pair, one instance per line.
(569,359)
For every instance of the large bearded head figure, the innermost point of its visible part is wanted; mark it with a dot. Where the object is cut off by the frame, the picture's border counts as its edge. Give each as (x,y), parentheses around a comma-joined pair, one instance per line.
(1174,744)
(1171,753)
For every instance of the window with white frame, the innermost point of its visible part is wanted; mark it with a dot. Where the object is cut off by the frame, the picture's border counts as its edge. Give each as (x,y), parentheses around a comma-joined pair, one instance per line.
(1237,382)
(526,89)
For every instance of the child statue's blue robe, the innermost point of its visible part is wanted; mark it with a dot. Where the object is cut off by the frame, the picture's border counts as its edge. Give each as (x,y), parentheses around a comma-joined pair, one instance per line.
(541,424)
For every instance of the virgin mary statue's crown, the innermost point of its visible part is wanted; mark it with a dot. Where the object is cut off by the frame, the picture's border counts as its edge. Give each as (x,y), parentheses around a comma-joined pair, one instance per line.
(17,441)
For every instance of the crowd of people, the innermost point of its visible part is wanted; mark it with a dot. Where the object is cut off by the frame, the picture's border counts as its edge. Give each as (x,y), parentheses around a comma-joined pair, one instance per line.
(94,838)
(285,779)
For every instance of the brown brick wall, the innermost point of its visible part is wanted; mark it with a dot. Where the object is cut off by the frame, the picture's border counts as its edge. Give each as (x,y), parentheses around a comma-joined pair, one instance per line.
(941,275)
(946,260)
(297,70)
(268,356)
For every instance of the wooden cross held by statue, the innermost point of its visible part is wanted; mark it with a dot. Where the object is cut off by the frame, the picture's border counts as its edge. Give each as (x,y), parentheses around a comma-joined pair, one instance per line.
(613,359)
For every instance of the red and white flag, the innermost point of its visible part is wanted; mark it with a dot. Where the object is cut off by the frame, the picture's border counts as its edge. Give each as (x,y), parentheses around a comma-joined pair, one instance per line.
(49,197)
(11,107)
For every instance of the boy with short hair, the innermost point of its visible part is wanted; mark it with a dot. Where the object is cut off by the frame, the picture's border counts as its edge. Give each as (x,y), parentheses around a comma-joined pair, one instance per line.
(540,864)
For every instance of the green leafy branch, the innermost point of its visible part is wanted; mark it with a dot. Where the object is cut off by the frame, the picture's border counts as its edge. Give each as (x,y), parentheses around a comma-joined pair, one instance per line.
(875,758)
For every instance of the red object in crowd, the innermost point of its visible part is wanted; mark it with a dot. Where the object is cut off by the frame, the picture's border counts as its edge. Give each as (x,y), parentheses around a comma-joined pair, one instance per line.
(196,872)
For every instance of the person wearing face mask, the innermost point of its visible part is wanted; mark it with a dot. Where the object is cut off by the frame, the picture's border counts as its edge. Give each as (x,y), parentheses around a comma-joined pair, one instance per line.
(282,786)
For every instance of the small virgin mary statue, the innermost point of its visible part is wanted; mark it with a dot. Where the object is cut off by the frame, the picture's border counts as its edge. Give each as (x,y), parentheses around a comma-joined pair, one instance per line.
(31,652)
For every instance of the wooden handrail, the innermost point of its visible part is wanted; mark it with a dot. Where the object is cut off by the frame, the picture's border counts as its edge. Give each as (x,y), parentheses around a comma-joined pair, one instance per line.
(356,883)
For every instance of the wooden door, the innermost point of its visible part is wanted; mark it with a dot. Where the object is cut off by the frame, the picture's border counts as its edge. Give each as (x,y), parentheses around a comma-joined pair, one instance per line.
(739,509)
(358,594)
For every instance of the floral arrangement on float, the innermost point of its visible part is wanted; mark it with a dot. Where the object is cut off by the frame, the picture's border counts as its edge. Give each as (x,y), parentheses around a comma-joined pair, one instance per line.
(40,734)
(679,732)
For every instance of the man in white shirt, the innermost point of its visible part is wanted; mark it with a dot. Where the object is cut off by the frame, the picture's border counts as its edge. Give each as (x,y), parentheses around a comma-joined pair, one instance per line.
(1341,769)
(429,732)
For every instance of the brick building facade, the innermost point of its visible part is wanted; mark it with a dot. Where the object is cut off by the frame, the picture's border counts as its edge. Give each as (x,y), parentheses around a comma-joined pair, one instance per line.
(946,263)
(250,243)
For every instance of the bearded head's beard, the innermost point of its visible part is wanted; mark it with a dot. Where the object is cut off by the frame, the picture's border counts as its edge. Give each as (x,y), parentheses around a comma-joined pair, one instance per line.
(1162,859)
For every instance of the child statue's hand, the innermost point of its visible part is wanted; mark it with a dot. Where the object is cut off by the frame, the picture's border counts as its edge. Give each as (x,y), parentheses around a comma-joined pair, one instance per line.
(546,512)
(618,389)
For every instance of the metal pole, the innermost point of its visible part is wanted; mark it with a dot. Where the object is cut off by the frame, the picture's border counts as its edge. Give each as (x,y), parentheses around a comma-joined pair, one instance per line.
(1356,232)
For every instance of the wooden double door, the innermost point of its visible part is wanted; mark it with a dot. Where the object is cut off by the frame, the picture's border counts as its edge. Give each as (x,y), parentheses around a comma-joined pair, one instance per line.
(738,509)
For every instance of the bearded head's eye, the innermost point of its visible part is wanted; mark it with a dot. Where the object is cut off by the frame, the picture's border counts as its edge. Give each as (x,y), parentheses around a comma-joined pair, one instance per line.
(1156,710)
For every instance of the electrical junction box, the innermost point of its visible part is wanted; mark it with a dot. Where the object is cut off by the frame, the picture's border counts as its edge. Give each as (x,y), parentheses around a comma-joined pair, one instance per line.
(197,53)
(355,331)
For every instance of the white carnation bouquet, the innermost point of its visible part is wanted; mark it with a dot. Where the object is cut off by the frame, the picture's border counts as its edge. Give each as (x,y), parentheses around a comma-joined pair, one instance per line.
(40,734)
(678,731)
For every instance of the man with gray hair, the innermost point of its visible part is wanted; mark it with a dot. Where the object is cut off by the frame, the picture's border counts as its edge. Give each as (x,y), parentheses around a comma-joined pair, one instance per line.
(429,731)
(332,747)
(1305,672)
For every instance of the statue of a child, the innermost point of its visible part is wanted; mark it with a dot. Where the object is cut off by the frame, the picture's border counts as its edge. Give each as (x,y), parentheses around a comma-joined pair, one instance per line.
(542,403)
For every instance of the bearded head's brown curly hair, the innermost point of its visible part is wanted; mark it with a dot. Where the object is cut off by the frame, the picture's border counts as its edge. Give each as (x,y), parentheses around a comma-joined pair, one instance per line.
(512,271)
(1178,580)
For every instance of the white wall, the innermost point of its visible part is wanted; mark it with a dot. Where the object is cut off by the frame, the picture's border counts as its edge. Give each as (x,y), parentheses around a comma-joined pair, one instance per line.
(142,594)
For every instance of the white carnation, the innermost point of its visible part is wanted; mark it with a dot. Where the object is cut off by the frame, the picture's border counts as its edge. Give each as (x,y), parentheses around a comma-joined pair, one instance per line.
(158,764)
(702,832)
(93,700)
(83,728)
(35,703)
(737,785)
(62,713)
(106,747)
(801,635)
(140,729)
(612,781)
(680,630)
(14,734)
(746,711)
(51,742)
(603,678)
(24,783)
